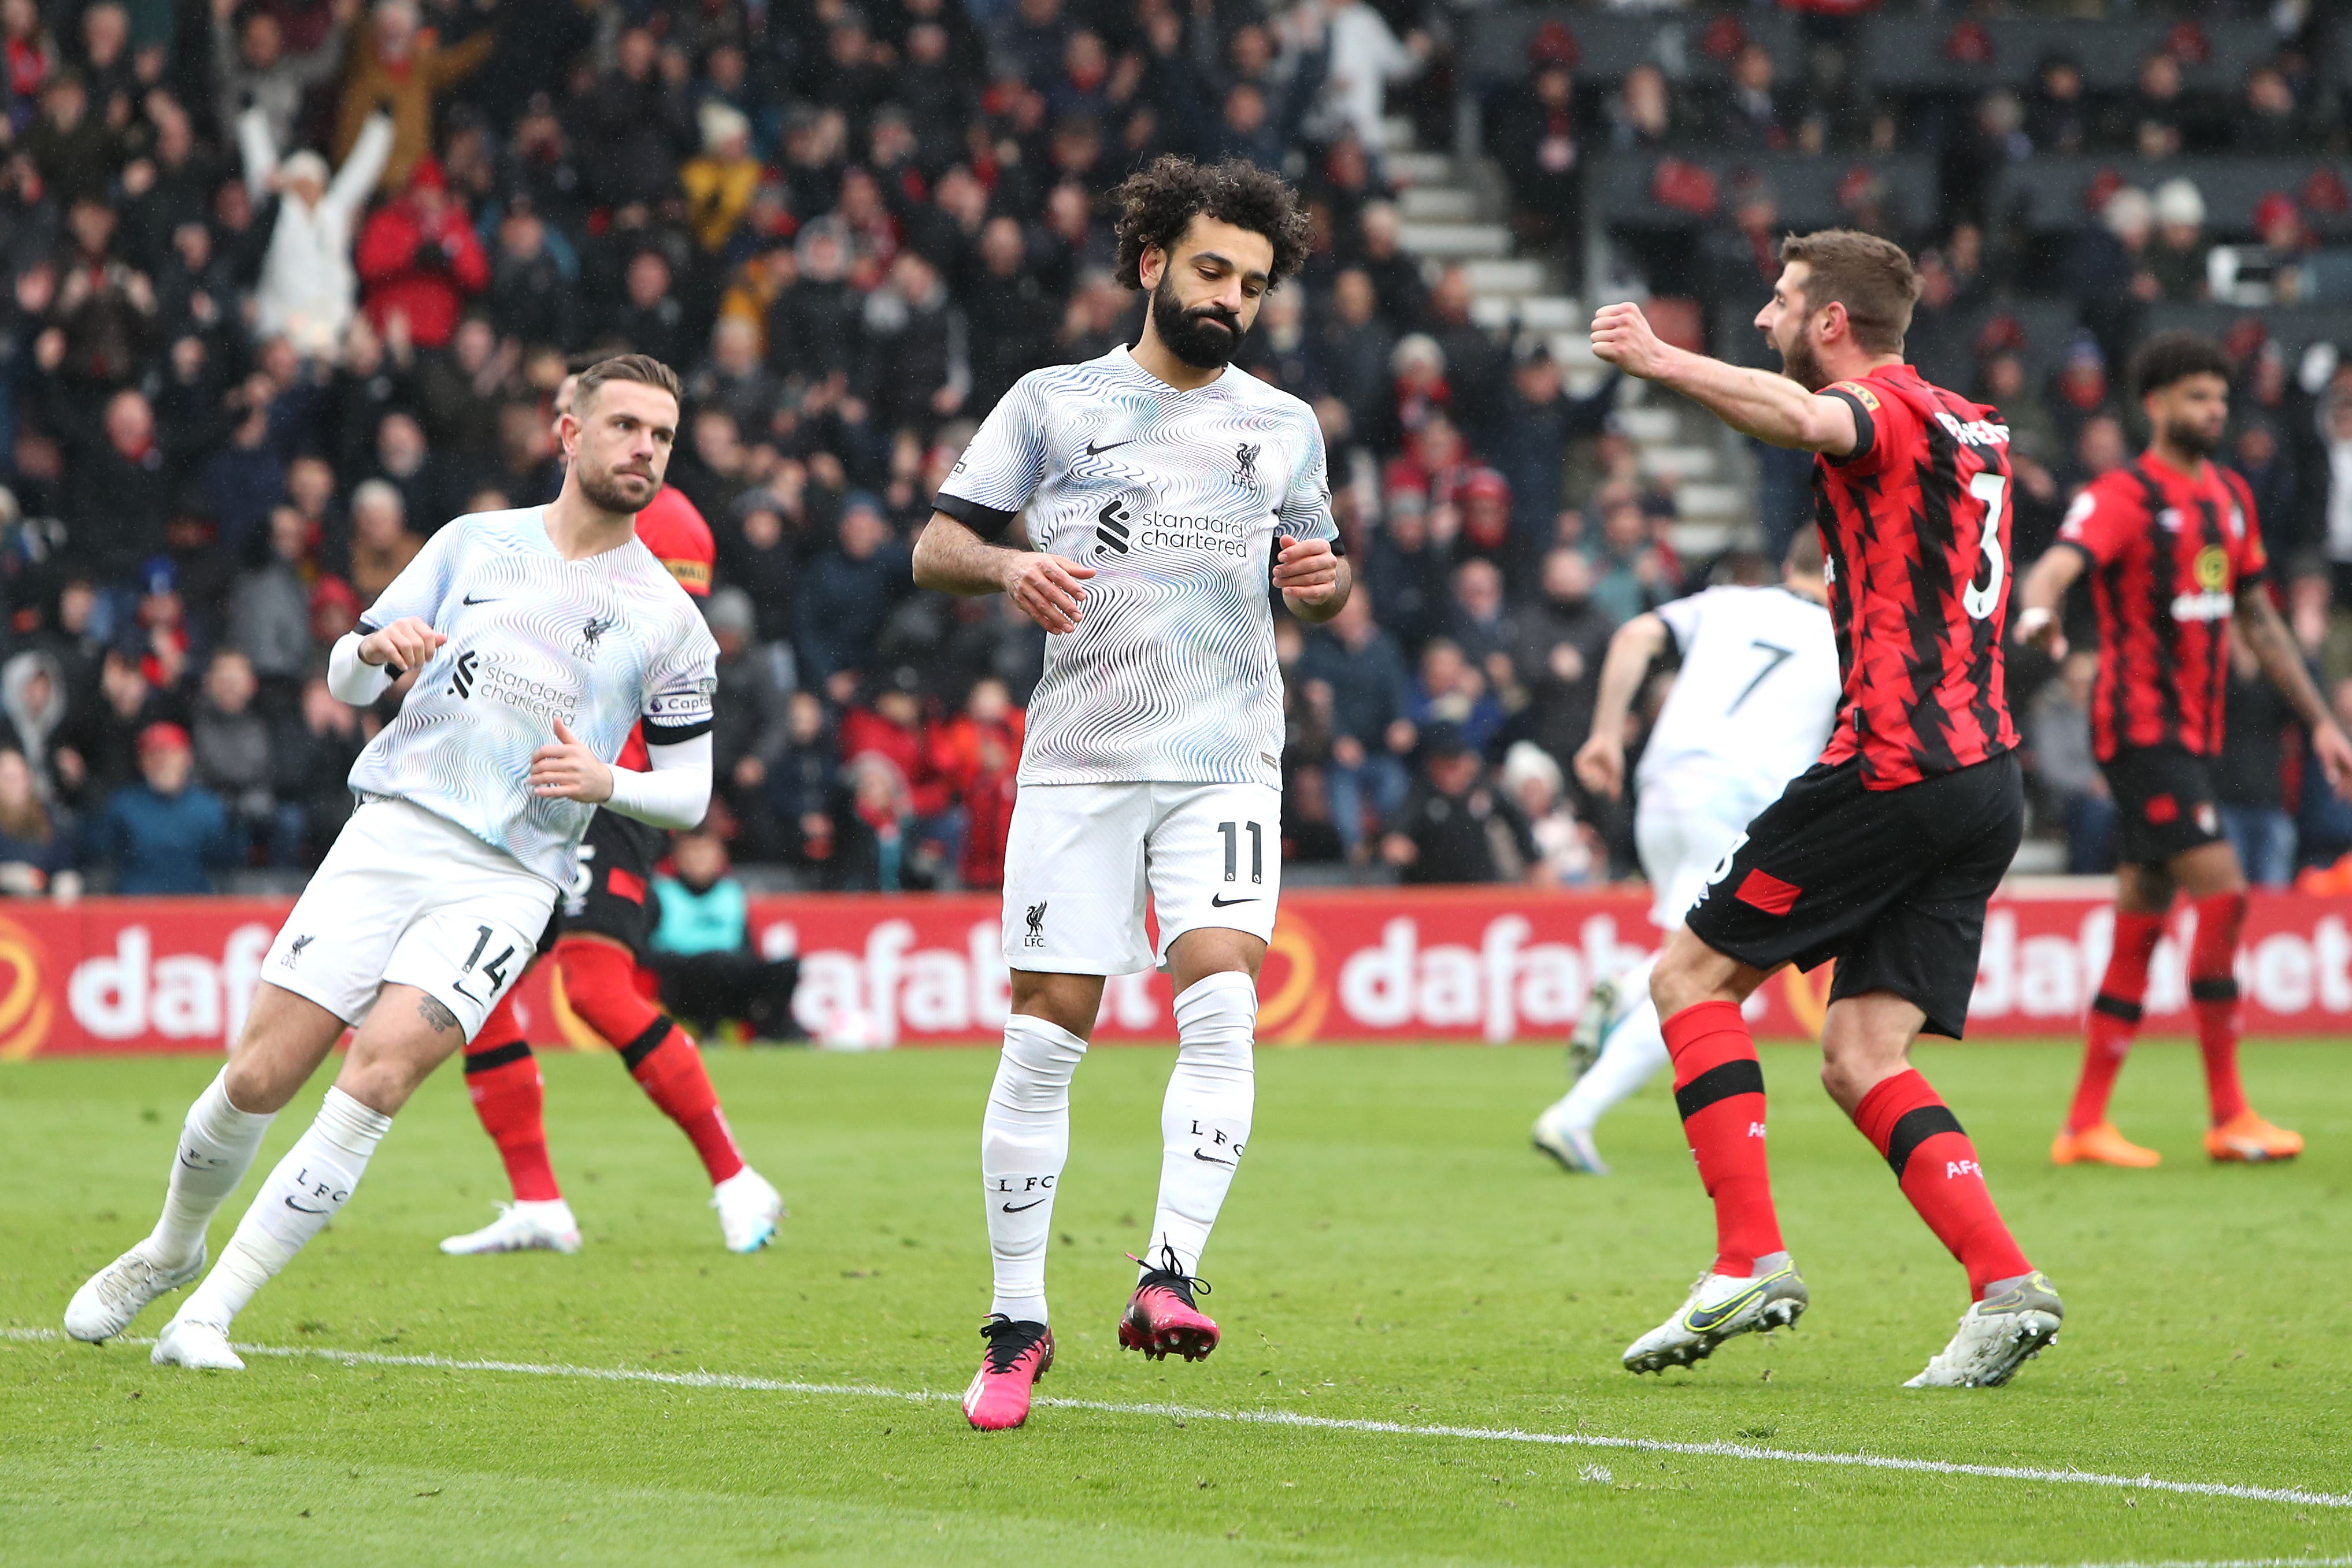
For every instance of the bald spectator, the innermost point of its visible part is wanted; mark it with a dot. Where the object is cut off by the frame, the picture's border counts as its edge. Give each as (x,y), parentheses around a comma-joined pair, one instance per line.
(381,545)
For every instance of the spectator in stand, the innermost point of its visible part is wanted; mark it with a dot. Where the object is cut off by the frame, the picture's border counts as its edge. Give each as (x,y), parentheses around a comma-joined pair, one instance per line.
(33,701)
(309,290)
(315,754)
(419,258)
(2249,775)
(1641,113)
(1406,570)
(1359,664)
(232,744)
(1451,690)
(2110,276)
(116,501)
(429,493)
(846,594)
(2080,391)
(710,973)
(1455,827)
(2058,728)
(1632,575)
(2152,120)
(1567,853)
(759,552)
(2269,122)
(978,754)
(381,543)
(253,68)
(1753,120)
(1353,346)
(2176,259)
(403,70)
(802,786)
(889,725)
(1364,57)
(35,849)
(2057,115)
(1539,423)
(1395,275)
(1557,653)
(1477,366)
(165,833)
(749,732)
(1535,140)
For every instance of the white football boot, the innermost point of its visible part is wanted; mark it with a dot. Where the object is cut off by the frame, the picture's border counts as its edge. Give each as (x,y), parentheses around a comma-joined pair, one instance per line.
(1721,1307)
(198,1346)
(1997,1335)
(543,1227)
(749,1210)
(1593,1022)
(1569,1144)
(119,1293)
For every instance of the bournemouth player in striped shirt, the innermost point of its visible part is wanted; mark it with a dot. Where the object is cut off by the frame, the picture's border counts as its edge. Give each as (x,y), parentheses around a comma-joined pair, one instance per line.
(2174,555)
(1882,854)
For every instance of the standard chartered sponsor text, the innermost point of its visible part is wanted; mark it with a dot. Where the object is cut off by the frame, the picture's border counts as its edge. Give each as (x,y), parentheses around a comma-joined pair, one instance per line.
(1221,536)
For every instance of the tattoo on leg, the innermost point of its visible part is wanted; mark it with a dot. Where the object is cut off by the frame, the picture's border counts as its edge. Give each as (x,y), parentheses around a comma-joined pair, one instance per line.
(434,1013)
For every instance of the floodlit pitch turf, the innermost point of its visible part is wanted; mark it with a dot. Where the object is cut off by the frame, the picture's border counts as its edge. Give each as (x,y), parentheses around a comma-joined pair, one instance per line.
(1393,1252)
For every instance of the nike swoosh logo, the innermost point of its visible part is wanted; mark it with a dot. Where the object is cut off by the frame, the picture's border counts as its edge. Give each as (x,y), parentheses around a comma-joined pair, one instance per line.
(1094,450)
(299,1209)
(1204,1159)
(470,599)
(1229,903)
(192,1165)
(1699,1319)
(1020,1208)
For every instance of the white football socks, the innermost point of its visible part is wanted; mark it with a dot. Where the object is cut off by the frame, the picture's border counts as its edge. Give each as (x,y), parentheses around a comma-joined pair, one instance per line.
(305,1192)
(1205,1120)
(217,1144)
(1024,1140)
(1634,1049)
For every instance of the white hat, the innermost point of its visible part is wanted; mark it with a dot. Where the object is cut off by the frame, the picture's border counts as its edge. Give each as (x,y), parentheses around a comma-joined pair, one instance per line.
(304,165)
(720,123)
(1526,760)
(2178,201)
(2127,212)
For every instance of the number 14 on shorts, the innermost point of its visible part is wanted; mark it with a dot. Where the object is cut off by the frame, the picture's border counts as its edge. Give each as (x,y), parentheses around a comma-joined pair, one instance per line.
(496,968)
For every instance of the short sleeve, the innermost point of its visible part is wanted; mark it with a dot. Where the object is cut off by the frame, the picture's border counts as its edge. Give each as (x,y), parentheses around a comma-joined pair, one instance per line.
(1881,426)
(2099,524)
(423,584)
(2253,563)
(1682,617)
(1305,512)
(1000,471)
(678,690)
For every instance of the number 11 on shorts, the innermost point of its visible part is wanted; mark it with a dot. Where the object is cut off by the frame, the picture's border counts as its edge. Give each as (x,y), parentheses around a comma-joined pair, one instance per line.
(1232,831)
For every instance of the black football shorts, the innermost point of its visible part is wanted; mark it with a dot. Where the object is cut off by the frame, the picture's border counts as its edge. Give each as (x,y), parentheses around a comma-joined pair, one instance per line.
(2164,803)
(1891,884)
(612,891)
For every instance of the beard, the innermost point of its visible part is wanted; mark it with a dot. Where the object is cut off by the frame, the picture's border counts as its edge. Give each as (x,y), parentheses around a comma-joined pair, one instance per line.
(1204,339)
(613,491)
(1802,366)
(2186,437)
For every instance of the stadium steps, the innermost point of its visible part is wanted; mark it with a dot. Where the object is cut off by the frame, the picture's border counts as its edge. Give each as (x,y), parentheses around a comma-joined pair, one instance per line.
(1453,210)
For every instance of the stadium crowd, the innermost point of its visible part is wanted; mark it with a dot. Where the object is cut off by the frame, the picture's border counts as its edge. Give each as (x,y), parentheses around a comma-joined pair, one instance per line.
(241,379)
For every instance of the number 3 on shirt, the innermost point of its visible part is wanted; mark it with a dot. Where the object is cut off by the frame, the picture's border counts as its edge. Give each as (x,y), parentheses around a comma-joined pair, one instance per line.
(1980,602)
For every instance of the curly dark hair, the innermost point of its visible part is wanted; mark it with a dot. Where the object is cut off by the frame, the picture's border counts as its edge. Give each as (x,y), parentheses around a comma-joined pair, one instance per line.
(2169,357)
(1155,205)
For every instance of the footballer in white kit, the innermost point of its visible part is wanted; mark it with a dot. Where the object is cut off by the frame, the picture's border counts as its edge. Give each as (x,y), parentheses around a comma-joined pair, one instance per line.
(1163,491)
(1752,703)
(539,638)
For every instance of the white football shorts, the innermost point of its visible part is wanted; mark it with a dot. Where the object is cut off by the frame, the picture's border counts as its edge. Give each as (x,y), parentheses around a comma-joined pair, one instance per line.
(1082,857)
(1681,841)
(408,898)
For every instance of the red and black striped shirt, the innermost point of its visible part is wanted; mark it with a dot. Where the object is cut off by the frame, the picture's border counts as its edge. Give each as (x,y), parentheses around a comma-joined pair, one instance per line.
(1915,524)
(2167,553)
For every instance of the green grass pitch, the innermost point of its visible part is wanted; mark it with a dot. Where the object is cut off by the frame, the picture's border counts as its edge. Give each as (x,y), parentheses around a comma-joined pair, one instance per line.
(1393,1252)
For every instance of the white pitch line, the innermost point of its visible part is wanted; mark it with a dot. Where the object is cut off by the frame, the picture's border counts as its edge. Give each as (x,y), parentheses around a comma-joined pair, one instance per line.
(738,1382)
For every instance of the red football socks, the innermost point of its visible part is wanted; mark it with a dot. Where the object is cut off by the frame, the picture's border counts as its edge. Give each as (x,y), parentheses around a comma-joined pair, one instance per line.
(2115,1017)
(1719,1090)
(502,1080)
(2214,998)
(600,983)
(1936,1168)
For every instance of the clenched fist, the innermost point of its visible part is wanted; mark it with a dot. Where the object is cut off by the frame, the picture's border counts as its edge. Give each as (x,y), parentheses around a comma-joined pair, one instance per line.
(408,643)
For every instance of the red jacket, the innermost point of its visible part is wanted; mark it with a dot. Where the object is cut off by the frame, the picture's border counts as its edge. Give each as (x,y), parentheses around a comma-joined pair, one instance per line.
(433,296)
(863,730)
(982,761)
